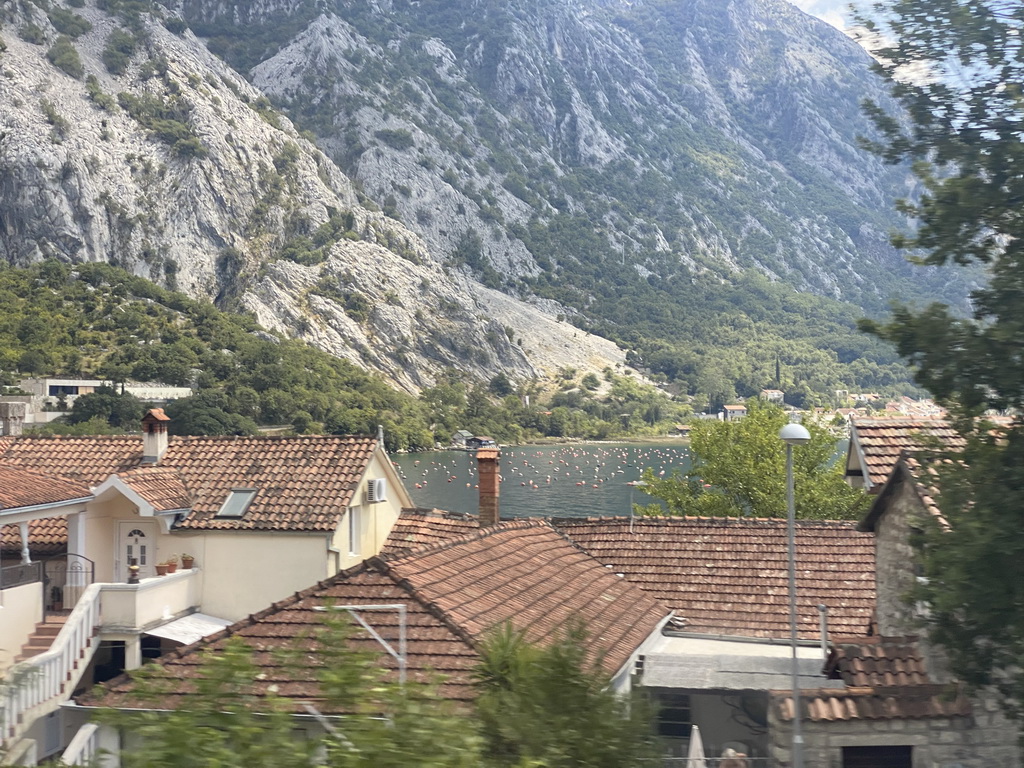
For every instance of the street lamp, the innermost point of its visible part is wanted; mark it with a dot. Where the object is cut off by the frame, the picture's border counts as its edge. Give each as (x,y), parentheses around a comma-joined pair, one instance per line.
(793,434)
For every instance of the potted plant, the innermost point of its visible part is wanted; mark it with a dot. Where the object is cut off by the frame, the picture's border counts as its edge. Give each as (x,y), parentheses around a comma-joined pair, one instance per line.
(187,561)
(172,563)
(161,569)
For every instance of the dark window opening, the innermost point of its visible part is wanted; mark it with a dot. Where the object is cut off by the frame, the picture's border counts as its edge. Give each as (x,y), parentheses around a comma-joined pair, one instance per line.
(878,757)
(674,718)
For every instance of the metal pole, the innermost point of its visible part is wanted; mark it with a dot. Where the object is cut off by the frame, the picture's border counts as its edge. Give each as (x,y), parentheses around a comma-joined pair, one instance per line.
(798,739)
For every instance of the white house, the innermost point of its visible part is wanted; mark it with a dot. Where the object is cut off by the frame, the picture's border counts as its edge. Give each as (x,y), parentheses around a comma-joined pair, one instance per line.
(262,517)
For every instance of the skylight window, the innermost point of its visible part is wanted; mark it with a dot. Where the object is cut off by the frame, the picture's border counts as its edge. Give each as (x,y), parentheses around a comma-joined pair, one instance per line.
(237,502)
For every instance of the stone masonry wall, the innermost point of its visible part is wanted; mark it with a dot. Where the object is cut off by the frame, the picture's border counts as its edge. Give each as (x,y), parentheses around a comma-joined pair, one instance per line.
(980,741)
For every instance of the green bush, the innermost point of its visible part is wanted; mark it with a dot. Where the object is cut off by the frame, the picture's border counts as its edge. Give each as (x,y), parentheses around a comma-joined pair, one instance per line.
(97,96)
(68,23)
(32,33)
(64,56)
(118,51)
(398,138)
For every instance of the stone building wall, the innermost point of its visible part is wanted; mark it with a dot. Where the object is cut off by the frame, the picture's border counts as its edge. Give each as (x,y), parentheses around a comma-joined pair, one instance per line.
(982,740)
(894,561)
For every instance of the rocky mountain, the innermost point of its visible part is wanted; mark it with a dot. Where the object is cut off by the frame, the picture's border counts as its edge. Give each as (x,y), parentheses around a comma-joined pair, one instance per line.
(163,160)
(692,134)
(656,170)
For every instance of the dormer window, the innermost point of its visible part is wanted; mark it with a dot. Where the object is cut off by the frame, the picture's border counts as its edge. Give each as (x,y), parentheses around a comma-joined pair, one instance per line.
(237,502)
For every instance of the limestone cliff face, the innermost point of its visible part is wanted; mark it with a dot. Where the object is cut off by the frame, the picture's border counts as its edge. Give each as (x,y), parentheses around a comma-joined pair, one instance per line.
(695,134)
(179,171)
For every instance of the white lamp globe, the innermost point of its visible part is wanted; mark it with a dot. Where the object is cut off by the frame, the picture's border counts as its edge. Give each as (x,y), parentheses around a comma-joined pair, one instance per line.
(794,434)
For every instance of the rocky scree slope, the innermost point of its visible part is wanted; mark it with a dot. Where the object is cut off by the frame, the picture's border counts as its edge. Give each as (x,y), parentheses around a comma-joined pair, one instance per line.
(164,161)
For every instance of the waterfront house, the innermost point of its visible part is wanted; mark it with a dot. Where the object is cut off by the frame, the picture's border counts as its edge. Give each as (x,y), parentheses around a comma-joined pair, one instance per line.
(262,517)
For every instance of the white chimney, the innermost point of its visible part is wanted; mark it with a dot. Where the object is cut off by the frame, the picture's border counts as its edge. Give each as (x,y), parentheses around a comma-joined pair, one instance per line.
(154,436)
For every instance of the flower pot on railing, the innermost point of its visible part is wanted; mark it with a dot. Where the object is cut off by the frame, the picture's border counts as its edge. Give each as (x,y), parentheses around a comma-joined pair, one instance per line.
(161,569)
(187,561)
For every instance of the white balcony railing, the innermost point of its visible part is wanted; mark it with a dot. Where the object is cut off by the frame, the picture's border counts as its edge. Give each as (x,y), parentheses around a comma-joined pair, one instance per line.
(83,747)
(38,685)
(53,674)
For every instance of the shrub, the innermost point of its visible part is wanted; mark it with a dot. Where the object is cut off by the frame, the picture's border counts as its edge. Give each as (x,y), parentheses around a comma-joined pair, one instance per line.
(396,138)
(64,56)
(68,23)
(96,95)
(32,33)
(118,51)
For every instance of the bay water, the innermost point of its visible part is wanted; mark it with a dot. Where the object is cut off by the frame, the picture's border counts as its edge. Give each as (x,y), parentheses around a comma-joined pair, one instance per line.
(574,480)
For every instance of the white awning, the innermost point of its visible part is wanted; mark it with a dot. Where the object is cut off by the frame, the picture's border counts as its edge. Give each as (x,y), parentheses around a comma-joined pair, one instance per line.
(190,629)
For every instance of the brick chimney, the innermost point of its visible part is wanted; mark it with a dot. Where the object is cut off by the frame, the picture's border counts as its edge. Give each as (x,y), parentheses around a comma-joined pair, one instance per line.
(489,482)
(154,436)
(12,417)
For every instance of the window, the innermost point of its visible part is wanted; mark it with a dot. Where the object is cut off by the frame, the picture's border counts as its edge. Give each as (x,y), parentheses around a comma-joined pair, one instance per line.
(674,719)
(878,757)
(136,547)
(237,502)
(355,530)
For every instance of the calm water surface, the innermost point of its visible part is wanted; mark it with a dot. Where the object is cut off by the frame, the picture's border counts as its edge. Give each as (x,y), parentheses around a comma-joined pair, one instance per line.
(577,480)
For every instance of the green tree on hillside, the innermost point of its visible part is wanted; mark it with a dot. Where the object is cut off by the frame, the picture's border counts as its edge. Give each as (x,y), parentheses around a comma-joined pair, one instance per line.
(964,133)
(739,468)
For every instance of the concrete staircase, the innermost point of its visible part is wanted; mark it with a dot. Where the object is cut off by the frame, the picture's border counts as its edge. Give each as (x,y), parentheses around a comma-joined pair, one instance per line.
(42,638)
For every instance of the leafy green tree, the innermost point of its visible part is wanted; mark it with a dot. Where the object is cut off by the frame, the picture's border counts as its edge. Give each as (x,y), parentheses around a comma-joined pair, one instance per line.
(118,410)
(207,413)
(739,468)
(964,133)
(552,706)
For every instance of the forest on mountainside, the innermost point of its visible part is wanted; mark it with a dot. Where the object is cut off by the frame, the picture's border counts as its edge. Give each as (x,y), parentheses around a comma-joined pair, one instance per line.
(98,320)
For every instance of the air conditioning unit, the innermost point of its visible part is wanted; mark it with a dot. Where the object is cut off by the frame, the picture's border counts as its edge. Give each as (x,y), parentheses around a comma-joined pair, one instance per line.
(377,490)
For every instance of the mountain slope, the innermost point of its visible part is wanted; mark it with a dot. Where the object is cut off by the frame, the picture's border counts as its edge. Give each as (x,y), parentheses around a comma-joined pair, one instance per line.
(168,163)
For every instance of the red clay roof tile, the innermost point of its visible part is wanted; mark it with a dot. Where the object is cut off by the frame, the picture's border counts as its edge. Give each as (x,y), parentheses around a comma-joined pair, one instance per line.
(526,573)
(729,576)
(46,536)
(881,441)
(24,487)
(305,483)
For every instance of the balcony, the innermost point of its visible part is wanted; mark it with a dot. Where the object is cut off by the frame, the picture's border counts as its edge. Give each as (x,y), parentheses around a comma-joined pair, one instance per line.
(133,608)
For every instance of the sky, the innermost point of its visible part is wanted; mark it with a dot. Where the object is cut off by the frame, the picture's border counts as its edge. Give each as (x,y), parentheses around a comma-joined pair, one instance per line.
(835,12)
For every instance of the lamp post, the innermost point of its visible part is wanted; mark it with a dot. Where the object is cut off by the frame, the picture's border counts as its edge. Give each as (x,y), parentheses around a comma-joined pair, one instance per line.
(793,434)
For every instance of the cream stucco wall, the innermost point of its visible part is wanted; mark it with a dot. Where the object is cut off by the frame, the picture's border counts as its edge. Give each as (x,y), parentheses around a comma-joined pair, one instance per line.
(375,520)
(21,608)
(244,572)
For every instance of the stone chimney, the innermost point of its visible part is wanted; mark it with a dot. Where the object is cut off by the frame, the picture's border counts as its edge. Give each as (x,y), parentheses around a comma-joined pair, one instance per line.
(489,482)
(12,417)
(154,436)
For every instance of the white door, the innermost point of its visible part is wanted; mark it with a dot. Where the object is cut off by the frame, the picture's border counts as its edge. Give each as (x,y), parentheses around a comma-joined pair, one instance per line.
(136,540)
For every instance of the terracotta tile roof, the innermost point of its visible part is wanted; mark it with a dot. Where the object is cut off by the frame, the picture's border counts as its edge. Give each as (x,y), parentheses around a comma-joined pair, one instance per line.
(434,647)
(523,571)
(22,487)
(886,678)
(918,702)
(46,536)
(873,662)
(881,441)
(163,487)
(526,573)
(730,576)
(422,528)
(90,460)
(305,483)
